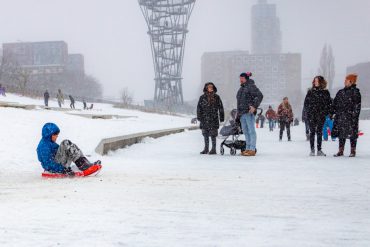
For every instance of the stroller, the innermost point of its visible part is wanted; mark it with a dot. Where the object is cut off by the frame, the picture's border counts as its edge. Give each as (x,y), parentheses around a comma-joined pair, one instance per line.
(232,130)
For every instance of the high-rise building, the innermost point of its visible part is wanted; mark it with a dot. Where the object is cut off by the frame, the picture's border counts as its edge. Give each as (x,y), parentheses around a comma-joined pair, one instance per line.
(277,74)
(266,33)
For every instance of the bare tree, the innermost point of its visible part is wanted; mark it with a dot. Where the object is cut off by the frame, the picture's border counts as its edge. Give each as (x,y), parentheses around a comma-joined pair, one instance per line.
(127,97)
(22,77)
(327,65)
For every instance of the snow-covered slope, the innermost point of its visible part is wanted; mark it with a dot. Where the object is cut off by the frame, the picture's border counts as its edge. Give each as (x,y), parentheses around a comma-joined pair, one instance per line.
(163,193)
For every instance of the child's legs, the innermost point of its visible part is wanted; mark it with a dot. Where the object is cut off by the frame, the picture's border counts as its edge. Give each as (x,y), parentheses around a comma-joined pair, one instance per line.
(67,153)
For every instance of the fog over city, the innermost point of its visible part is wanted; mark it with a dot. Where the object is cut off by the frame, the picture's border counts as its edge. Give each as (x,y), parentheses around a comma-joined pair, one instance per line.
(112,36)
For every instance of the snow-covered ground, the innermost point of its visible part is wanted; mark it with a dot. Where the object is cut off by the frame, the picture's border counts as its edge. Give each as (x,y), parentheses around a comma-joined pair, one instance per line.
(163,193)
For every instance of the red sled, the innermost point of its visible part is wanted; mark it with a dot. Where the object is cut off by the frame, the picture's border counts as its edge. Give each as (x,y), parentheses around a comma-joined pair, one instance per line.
(91,171)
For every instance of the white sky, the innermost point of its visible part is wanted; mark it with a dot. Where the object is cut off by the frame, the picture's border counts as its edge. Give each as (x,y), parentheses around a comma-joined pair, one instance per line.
(112,35)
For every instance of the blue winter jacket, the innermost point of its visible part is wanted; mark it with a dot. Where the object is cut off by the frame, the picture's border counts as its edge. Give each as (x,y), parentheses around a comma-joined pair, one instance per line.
(47,149)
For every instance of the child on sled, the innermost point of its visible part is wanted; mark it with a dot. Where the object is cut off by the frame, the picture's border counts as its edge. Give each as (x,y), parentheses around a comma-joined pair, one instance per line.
(56,158)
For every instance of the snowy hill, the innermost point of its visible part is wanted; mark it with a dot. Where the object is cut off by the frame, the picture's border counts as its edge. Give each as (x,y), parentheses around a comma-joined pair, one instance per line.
(163,193)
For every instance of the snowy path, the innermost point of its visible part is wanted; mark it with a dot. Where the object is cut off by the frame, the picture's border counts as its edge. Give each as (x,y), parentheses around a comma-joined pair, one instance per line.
(163,193)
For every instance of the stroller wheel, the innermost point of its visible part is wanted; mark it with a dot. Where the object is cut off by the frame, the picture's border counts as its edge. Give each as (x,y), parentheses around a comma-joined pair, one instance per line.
(232,151)
(222,150)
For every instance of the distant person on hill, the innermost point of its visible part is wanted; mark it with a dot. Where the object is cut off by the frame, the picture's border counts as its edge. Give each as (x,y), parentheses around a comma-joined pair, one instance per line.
(84,103)
(46,98)
(72,105)
(60,98)
(56,158)
(2,90)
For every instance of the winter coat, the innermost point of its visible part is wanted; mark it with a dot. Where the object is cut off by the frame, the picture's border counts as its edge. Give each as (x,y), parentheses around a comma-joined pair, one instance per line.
(46,95)
(285,113)
(47,149)
(210,114)
(317,104)
(248,95)
(347,108)
(270,114)
(71,99)
(60,97)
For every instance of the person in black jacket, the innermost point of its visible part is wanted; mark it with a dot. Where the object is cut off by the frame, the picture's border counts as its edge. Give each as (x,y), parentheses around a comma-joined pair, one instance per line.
(347,108)
(317,104)
(210,113)
(249,97)
(72,105)
(46,98)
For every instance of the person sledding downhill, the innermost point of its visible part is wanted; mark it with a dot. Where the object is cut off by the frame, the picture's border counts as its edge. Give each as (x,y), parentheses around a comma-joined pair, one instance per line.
(56,159)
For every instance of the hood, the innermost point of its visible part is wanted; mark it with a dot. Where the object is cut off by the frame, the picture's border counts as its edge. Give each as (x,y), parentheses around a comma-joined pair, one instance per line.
(48,130)
(206,85)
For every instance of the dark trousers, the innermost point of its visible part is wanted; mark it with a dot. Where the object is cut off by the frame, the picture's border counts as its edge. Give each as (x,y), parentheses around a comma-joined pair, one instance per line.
(209,133)
(72,105)
(342,143)
(283,125)
(46,100)
(316,126)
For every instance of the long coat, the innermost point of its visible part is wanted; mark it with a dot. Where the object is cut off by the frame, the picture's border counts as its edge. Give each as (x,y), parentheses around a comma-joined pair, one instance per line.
(347,108)
(317,105)
(210,113)
(47,149)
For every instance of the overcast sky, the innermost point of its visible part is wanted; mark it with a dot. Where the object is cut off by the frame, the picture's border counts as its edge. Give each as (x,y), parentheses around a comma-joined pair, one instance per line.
(112,35)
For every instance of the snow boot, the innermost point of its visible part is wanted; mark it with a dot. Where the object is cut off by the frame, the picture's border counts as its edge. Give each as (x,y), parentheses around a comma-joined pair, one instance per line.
(320,153)
(83,163)
(205,151)
(312,153)
(340,152)
(213,151)
(353,152)
(69,172)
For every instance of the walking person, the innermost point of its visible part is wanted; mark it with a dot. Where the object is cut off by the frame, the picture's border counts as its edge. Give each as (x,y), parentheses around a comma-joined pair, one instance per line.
(347,108)
(60,98)
(210,113)
(72,105)
(46,98)
(317,104)
(249,97)
(285,116)
(271,117)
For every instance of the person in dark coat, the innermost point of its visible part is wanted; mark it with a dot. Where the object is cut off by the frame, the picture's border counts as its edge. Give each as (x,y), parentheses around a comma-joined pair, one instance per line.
(285,116)
(210,113)
(249,98)
(46,98)
(72,105)
(271,117)
(346,110)
(84,103)
(317,104)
